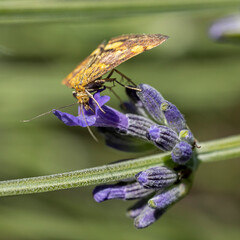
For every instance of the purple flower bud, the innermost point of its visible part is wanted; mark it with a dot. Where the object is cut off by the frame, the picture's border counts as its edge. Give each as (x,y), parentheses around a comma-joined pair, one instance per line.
(181,153)
(227,28)
(157,177)
(138,126)
(147,217)
(137,208)
(169,196)
(121,191)
(187,136)
(163,137)
(152,101)
(174,119)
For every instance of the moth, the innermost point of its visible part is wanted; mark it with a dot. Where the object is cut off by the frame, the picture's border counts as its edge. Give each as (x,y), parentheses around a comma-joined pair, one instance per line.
(87,77)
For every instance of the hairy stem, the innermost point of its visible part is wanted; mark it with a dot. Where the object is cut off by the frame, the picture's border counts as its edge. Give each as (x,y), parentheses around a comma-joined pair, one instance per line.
(222,149)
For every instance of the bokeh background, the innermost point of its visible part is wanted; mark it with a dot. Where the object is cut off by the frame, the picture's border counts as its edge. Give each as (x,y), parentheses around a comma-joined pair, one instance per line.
(41,42)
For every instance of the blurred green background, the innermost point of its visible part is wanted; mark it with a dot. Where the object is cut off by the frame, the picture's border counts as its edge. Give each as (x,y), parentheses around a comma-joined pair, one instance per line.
(41,42)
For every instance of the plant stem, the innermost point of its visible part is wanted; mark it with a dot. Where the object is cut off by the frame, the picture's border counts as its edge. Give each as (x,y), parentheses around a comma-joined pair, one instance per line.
(40,11)
(219,144)
(222,149)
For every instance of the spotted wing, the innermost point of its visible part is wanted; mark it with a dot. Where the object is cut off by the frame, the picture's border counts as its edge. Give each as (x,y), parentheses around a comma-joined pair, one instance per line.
(78,73)
(120,49)
(115,52)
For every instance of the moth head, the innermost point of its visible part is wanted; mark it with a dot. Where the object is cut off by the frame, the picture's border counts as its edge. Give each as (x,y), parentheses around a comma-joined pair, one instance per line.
(82,97)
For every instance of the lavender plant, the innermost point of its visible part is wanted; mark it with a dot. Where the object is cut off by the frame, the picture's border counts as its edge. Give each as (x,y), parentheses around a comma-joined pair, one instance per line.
(148,116)
(156,181)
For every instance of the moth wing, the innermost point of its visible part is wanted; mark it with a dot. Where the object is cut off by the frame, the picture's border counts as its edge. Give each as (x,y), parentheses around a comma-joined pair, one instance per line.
(120,49)
(78,73)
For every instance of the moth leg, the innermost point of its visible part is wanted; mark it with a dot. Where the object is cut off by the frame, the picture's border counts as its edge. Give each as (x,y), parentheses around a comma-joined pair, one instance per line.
(91,96)
(109,79)
(124,76)
(110,74)
(126,86)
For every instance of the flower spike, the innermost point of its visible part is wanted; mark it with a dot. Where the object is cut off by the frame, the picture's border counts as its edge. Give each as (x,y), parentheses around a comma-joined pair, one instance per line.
(151,118)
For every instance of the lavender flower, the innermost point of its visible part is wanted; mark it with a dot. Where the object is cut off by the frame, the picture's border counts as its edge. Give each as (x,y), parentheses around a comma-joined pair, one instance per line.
(123,124)
(94,116)
(151,118)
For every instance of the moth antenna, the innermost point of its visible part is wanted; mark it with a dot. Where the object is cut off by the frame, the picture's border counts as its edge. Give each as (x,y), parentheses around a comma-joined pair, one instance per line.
(46,113)
(91,96)
(89,129)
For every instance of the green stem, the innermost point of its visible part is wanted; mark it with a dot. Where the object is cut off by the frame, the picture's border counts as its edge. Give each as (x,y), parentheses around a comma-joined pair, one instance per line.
(226,148)
(40,11)
(215,145)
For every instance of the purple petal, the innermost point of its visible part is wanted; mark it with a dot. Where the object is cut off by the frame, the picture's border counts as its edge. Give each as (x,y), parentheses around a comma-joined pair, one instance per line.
(111,118)
(94,116)
(101,100)
(71,120)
